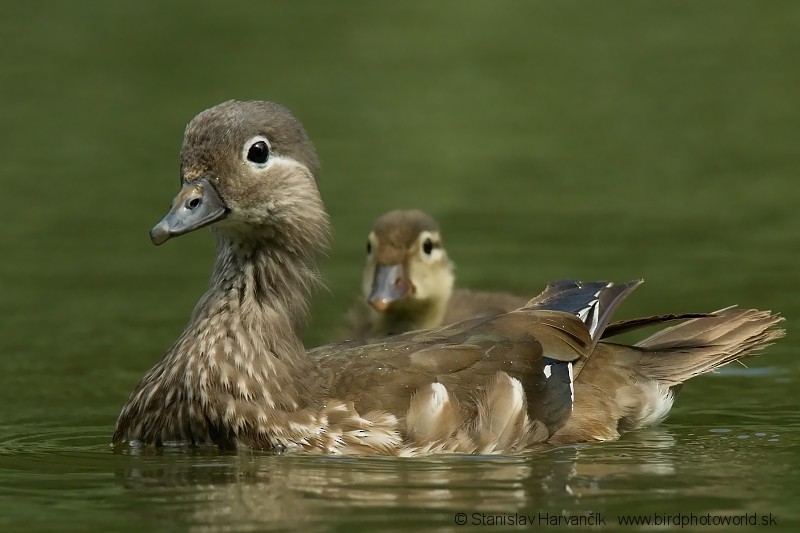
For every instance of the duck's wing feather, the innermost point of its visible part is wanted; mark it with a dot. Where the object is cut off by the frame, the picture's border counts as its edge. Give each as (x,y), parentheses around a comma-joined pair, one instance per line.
(498,382)
(466,372)
(625,326)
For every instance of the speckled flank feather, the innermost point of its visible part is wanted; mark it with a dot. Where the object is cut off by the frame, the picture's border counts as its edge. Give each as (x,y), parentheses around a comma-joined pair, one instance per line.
(239,376)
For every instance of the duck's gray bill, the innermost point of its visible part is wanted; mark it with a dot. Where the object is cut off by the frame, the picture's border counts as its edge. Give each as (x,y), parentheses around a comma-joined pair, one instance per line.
(197,205)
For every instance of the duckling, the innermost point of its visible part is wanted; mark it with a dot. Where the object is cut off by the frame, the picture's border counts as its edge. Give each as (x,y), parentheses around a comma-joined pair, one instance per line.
(239,377)
(408,281)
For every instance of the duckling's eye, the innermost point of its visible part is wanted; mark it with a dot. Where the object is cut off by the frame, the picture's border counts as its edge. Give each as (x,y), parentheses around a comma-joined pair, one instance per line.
(369,247)
(258,152)
(427,246)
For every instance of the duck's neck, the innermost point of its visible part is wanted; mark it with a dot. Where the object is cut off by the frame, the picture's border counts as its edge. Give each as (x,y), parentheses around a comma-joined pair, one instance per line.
(240,366)
(243,343)
(253,314)
(264,288)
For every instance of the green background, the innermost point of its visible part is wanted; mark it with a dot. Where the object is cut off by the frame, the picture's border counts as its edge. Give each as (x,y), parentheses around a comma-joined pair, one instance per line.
(610,140)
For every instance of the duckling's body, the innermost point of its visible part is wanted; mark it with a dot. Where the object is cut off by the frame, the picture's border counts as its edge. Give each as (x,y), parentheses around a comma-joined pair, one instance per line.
(408,281)
(408,284)
(239,376)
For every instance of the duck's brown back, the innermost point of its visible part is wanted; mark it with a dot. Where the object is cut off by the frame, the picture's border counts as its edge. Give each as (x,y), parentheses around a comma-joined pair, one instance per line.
(465,304)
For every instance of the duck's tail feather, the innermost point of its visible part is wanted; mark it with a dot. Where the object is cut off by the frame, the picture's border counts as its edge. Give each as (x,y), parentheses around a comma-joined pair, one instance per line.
(700,345)
(631,324)
(621,388)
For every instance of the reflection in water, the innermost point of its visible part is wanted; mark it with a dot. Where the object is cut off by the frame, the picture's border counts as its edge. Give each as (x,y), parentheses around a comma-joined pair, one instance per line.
(665,469)
(269,490)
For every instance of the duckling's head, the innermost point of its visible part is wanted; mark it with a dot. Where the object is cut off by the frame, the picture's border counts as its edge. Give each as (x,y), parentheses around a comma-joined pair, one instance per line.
(407,269)
(250,169)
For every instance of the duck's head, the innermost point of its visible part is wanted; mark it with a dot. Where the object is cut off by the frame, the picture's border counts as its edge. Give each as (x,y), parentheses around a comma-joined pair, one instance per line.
(249,169)
(407,266)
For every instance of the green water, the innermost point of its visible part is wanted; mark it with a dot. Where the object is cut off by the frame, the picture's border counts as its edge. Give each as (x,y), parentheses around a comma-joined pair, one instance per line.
(607,140)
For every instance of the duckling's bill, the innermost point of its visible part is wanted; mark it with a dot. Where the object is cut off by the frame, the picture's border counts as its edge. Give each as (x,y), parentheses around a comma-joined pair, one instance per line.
(389,284)
(197,205)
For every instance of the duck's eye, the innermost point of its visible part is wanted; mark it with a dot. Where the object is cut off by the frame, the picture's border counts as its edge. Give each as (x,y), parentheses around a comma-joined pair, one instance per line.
(427,246)
(369,247)
(258,153)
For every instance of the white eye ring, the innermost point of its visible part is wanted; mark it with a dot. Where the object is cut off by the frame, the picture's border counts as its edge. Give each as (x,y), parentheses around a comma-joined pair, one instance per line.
(429,247)
(371,244)
(257,151)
